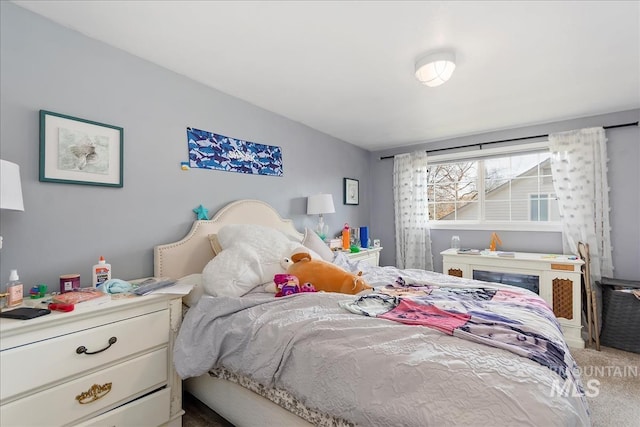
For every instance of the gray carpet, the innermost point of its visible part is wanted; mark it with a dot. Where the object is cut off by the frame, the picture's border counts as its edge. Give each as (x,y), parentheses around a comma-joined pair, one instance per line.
(611,378)
(612,384)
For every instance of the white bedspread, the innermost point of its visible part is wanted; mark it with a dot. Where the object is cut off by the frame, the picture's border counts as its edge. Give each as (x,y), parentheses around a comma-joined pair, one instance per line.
(371,371)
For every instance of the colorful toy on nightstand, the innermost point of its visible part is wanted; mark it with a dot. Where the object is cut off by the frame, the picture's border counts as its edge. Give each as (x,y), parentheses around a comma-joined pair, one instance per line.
(38,291)
(495,241)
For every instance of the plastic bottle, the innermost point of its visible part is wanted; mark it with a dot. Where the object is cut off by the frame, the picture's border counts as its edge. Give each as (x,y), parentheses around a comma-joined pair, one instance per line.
(346,242)
(14,290)
(100,273)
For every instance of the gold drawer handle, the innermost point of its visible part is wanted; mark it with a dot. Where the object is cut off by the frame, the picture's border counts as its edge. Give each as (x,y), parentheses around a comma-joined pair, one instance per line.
(94,393)
(83,349)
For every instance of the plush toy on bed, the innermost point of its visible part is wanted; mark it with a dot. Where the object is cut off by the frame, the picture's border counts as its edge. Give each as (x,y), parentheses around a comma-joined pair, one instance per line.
(287,284)
(325,276)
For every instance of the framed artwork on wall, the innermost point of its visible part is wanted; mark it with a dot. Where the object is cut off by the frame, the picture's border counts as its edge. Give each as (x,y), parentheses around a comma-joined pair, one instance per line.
(79,151)
(351,191)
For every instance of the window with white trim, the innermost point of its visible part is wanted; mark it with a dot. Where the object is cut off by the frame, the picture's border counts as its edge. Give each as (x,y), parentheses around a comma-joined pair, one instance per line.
(504,187)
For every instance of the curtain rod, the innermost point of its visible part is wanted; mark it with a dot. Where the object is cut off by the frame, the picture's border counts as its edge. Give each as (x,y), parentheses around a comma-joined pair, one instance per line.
(480,144)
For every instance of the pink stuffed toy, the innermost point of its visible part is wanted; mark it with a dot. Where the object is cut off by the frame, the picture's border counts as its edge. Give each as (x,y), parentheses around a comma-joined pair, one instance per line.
(288,284)
(307,287)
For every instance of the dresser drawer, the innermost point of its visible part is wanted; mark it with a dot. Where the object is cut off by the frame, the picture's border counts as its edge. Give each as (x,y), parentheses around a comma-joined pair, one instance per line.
(46,362)
(148,411)
(61,405)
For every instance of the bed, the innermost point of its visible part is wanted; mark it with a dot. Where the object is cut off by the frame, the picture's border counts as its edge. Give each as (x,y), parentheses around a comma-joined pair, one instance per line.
(336,359)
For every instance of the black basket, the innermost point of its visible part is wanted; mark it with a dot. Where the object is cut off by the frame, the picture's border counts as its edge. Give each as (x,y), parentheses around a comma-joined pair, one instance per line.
(620,314)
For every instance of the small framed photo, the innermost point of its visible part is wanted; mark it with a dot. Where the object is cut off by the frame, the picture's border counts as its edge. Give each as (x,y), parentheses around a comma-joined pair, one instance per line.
(79,151)
(351,191)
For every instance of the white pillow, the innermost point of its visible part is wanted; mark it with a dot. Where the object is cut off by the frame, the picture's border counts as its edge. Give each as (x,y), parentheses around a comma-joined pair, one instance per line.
(250,255)
(233,272)
(269,244)
(314,242)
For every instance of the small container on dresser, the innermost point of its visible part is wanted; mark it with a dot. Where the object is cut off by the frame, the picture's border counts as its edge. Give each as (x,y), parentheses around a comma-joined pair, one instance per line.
(13,295)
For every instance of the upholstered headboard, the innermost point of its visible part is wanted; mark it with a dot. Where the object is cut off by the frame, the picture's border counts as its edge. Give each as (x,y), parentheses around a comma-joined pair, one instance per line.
(192,253)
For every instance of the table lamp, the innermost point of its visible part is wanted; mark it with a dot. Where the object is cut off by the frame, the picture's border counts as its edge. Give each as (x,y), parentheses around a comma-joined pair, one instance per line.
(320,204)
(10,188)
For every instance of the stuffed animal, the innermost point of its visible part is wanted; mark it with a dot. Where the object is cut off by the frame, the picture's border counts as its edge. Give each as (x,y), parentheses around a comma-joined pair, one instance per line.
(288,284)
(325,276)
(307,287)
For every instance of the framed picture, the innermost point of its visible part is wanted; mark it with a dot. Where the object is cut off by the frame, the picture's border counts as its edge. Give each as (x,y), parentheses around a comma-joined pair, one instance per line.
(79,151)
(351,191)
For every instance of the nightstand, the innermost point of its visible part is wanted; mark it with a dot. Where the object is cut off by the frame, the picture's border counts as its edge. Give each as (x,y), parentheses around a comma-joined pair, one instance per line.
(108,364)
(371,255)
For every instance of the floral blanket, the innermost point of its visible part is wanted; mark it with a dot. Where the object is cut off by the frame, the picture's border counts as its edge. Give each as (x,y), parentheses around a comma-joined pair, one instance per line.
(474,314)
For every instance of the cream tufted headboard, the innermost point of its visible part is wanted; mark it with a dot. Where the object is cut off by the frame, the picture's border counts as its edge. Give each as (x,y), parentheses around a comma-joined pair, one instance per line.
(192,253)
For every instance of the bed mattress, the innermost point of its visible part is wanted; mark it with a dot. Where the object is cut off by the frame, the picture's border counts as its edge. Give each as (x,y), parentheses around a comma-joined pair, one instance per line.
(373,371)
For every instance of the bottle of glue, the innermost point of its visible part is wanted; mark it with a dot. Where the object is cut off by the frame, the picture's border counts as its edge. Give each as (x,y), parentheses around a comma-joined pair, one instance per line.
(101,272)
(346,242)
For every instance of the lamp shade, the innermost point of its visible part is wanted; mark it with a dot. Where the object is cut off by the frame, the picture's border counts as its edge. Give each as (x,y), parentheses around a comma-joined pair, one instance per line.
(10,188)
(435,68)
(320,204)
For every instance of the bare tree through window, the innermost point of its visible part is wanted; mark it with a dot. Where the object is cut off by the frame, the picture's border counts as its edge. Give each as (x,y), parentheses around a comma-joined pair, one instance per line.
(514,187)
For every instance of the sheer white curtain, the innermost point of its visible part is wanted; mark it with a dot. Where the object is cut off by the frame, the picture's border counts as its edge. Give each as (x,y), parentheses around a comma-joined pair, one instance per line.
(413,237)
(579,169)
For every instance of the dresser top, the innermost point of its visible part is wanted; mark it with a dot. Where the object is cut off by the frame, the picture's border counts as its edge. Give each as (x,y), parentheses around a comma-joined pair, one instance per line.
(17,332)
(521,256)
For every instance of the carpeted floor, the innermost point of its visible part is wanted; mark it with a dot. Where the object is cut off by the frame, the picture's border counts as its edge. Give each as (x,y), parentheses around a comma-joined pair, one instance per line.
(611,379)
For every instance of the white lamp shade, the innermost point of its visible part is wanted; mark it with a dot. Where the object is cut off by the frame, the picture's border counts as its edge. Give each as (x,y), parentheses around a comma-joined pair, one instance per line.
(10,188)
(320,204)
(436,68)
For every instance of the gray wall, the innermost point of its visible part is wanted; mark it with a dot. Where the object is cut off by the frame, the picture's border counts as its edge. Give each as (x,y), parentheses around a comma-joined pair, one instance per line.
(623,149)
(65,228)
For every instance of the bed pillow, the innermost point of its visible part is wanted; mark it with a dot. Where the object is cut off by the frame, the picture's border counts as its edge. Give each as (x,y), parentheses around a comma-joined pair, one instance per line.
(233,272)
(215,244)
(314,242)
(270,246)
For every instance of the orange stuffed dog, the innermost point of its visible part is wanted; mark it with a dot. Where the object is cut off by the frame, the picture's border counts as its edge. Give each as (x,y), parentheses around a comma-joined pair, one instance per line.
(325,276)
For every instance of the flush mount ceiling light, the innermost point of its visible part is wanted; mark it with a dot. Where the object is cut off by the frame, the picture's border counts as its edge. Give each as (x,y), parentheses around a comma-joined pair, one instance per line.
(435,68)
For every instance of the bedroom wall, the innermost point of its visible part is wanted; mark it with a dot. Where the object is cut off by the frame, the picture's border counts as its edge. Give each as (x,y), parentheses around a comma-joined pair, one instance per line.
(65,228)
(623,148)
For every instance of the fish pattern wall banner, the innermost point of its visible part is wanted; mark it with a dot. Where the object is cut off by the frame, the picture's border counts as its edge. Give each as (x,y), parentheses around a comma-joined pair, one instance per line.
(212,151)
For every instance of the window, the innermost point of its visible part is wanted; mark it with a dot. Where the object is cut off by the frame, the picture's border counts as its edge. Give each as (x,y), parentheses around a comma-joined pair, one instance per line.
(500,190)
(539,207)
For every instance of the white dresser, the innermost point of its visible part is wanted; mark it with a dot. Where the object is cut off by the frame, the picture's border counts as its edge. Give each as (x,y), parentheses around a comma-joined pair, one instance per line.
(371,255)
(108,364)
(558,278)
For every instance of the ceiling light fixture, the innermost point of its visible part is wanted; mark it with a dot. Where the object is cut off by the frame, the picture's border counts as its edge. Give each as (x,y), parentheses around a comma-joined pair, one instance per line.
(435,68)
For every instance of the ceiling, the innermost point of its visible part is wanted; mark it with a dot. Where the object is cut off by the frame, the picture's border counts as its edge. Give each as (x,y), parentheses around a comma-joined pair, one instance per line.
(347,68)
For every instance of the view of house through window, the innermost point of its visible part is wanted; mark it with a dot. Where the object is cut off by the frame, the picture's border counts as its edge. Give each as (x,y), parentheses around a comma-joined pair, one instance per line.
(509,188)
